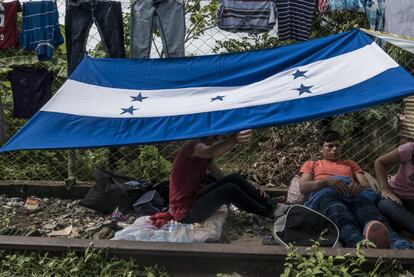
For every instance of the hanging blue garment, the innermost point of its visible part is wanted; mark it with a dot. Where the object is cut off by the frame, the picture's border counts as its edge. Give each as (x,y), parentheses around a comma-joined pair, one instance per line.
(41,30)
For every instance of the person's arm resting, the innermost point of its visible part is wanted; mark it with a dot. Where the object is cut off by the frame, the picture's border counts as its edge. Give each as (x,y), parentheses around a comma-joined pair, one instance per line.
(360,178)
(307,184)
(381,165)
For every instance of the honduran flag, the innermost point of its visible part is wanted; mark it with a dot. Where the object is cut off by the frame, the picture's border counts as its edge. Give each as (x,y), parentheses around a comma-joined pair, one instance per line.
(113,102)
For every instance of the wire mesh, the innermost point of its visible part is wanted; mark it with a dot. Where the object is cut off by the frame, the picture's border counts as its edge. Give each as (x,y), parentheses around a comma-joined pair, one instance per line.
(272,159)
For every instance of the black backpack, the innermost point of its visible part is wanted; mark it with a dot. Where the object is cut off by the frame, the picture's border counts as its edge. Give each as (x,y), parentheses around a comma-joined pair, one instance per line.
(111,191)
(302,226)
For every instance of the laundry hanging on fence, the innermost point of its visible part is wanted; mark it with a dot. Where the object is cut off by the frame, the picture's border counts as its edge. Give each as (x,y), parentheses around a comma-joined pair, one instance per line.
(247,16)
(41,30)
(295,18)
(399,17)
(32,88)
(168,16)
(107,17)
(374,10)
(113,102)
(9,33)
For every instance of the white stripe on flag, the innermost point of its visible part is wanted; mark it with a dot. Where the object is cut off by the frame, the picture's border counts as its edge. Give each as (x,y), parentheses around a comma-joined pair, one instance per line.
(324,76)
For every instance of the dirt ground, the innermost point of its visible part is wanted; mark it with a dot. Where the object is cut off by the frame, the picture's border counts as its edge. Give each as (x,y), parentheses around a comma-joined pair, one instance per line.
(66,218)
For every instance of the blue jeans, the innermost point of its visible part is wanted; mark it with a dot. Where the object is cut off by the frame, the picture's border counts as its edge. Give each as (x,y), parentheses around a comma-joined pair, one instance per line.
(398,214)
(351,214)
(107,16)
(169,18)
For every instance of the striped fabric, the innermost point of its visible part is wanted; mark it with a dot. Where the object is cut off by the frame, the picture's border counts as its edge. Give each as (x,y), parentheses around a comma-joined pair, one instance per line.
(374,9)
(249,16)
(295,18)
(41,31)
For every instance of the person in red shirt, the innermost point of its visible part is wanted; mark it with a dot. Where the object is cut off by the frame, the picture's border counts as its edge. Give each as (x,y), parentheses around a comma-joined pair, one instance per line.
(190,204)
(338,189)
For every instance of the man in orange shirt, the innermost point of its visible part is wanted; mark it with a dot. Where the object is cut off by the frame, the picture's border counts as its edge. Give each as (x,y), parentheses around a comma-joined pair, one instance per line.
(338,189)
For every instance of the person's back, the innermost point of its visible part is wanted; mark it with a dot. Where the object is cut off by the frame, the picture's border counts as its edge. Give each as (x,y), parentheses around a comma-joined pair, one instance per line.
(186,176)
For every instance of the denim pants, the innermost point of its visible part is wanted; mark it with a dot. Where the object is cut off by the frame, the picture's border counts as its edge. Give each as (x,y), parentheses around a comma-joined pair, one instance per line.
(351,214)
(232,189)
(107,16)
(169,18)
(349,219)
(398,215)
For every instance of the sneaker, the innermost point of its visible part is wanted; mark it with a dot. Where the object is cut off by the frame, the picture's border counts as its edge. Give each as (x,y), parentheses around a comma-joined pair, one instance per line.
(376,232)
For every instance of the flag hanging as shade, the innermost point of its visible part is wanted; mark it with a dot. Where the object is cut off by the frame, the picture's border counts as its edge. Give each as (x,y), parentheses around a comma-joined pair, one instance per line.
(110,102)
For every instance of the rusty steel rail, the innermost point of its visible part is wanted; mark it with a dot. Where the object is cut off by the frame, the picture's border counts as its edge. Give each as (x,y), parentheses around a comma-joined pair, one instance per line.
(192,259)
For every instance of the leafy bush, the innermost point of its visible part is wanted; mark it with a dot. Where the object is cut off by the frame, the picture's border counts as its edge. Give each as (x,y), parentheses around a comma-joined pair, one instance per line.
(92,262)
(317,263)
(149,164)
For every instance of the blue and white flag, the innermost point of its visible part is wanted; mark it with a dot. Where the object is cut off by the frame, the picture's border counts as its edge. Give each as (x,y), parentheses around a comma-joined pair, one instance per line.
(110,102)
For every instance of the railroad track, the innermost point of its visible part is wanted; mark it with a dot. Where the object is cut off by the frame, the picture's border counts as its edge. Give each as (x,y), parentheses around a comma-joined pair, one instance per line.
(191,259)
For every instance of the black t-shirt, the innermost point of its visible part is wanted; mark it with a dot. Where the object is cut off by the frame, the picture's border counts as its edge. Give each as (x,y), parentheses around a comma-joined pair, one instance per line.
(31,90)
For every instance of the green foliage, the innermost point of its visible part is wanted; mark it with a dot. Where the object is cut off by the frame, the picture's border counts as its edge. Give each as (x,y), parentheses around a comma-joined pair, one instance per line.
(5,220)
(248,42)
(92,262)
(149,164)
(32,165)
(325,25)
(317,263)
(202,17)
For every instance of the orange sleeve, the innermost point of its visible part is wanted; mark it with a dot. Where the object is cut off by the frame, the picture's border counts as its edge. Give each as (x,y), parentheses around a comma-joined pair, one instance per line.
(354,166)
(307,167)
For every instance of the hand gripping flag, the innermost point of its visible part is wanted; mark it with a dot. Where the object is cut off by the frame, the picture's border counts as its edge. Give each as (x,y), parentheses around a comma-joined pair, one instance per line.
(113,102)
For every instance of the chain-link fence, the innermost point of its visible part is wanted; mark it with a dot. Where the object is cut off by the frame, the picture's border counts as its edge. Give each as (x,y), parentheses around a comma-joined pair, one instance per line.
(275,154)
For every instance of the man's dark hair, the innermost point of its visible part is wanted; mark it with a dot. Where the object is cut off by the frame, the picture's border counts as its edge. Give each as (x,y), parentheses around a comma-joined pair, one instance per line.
(329,136)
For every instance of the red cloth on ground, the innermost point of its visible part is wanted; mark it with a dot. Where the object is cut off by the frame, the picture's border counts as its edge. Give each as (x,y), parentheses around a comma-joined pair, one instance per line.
(160,219)
(186,176)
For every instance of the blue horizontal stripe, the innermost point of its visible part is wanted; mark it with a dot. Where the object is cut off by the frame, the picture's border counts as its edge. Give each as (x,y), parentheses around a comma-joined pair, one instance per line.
(48,130)
(215,70)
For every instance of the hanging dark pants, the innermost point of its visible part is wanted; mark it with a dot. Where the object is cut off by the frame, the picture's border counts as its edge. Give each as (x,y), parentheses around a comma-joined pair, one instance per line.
(107,16)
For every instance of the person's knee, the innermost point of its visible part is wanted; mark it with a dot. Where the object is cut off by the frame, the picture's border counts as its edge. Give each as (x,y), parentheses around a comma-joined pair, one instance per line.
(235,177)
(386,205)
(229,188)
(340,214)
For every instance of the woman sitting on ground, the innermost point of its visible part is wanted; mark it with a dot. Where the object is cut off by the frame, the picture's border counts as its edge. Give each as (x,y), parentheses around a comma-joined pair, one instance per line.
(398,193)
(190,204)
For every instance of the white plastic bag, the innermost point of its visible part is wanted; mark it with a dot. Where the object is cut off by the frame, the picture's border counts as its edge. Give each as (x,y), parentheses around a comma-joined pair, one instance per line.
(142,230)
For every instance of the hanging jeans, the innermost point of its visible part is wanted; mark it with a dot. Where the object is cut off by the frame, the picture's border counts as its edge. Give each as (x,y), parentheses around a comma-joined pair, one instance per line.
(107,16)
(169,18)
